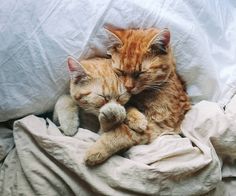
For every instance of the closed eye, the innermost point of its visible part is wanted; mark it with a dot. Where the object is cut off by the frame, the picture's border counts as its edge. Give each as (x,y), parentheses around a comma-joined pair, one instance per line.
(119,72)
(137,74)
(100,95)
(84,80)
(106,97)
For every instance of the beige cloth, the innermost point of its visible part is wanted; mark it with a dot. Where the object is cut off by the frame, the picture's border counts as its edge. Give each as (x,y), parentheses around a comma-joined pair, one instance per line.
(44,162)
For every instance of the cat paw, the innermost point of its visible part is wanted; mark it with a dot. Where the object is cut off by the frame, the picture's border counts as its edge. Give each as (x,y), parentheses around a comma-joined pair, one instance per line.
(138,126)
(136,121)
(111,114)
(95,157)
(69,130)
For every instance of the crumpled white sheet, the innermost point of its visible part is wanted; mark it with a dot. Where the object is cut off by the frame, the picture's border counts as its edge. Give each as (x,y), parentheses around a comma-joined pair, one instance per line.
(37,36)
(44,162)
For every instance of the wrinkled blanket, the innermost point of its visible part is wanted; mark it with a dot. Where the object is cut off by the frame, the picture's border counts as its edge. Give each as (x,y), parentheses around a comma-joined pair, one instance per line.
(44,162)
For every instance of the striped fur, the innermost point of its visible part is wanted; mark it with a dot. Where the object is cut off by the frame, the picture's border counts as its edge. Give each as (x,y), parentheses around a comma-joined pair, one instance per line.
(96,89)
(96,85)
(145,62)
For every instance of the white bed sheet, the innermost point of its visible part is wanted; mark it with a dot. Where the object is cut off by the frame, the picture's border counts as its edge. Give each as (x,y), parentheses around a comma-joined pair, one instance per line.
(44,162)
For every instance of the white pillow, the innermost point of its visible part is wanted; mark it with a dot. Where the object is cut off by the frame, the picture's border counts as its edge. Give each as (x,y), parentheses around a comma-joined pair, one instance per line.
(37,36)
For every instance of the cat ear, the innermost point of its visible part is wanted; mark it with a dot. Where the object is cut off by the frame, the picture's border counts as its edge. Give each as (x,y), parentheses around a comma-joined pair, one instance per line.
(76,70)
(161,41)
(114,34)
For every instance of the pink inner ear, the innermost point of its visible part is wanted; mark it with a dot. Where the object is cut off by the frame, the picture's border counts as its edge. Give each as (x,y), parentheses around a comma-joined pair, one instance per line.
(75,69)
(166,37)
(72,65)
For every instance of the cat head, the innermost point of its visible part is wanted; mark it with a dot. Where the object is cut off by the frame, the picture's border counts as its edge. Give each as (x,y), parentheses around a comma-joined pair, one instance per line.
(141,57)
(93,84)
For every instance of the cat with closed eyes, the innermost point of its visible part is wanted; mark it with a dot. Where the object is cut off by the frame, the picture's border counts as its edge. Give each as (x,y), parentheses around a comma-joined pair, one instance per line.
(144,61)
(97,97)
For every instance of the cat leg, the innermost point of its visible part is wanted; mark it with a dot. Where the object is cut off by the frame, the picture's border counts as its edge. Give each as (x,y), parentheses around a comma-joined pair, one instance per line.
(66,114)
(136,120)
(110,115)
(112,142)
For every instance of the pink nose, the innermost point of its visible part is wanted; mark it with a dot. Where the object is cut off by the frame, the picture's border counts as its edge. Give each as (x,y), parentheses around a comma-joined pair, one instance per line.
(129,87)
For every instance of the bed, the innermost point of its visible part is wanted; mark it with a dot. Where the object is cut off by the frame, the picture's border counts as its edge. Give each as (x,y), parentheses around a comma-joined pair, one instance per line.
(36,159)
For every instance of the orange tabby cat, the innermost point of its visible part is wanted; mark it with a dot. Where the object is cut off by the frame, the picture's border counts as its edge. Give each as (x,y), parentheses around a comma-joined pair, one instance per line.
(95,88)
(143,59)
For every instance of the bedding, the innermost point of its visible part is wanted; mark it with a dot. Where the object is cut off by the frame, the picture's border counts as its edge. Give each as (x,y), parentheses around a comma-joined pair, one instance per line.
(36,159)
(44,162)
(37,36)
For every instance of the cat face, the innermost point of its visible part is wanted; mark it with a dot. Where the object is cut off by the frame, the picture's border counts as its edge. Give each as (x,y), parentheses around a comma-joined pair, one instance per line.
(142,58)
(94,83)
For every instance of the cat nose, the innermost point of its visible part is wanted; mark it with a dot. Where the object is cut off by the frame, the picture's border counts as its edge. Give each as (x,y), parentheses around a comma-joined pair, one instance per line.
(129,85)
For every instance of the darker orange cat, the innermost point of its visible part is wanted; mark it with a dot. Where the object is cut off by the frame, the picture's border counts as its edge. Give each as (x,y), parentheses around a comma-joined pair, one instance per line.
(143,59)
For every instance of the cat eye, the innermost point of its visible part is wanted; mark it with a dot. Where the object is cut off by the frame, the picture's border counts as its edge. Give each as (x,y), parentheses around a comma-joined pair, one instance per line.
(119,72)
(106,97)
(136,74)
(84,80)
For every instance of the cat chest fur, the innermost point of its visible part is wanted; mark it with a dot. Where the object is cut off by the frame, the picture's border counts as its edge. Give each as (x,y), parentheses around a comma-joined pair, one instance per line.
(166,106)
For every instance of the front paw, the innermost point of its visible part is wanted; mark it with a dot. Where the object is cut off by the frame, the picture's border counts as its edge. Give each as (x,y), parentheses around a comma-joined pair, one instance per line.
(111,114)
(138,126)
(136,121)
(70,129)
(95,157)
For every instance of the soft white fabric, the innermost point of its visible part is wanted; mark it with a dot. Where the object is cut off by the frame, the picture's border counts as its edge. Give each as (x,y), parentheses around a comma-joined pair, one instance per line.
(37,36)
(44,162)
